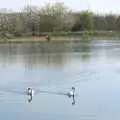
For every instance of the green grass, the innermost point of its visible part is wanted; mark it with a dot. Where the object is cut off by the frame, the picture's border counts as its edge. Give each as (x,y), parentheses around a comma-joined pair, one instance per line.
(81,33)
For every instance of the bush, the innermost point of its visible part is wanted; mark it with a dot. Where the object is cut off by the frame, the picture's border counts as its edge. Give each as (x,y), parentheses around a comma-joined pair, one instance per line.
(17,34)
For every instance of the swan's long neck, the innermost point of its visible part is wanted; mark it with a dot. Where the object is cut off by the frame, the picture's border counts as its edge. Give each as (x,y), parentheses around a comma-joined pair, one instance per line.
(30,91)
(73,90)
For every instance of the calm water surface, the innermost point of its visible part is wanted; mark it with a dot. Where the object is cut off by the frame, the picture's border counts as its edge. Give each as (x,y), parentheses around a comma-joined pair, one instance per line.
(93,67)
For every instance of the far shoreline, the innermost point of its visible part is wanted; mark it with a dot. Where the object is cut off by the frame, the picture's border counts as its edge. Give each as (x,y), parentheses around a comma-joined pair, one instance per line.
(56,38)
(62,37)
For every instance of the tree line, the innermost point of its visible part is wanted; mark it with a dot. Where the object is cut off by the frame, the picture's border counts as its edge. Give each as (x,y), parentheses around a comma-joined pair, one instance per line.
(33,21)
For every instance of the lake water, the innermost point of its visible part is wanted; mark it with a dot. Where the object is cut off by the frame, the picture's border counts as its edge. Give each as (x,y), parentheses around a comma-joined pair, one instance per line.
(51,69)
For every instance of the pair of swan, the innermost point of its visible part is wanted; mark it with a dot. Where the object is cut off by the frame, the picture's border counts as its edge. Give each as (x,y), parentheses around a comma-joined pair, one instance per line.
(71,93)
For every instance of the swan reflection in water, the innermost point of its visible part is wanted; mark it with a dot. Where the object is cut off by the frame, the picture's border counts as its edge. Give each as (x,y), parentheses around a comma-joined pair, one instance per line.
(29,98)
(73,102)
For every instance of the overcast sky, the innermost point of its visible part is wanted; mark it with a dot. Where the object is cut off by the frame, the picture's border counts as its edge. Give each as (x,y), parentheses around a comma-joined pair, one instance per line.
(100,6)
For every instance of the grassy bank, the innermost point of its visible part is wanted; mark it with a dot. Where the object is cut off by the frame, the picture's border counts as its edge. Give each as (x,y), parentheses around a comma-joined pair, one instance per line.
(65,39)
(65,36)
(81,33)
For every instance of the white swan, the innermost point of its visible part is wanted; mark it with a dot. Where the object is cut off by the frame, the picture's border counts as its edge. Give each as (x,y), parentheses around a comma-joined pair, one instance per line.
(30,92)
(71,93)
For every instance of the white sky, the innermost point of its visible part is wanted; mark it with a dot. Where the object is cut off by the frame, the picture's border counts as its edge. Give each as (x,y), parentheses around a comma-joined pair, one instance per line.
(100,6)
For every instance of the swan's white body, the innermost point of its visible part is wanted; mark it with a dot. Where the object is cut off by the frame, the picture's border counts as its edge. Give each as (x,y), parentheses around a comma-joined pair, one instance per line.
(30,92)
(71,93)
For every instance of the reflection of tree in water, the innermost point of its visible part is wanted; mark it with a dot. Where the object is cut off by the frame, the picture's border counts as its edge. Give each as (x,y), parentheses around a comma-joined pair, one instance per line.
(45,54)
(7,53)
(48,54)
(84,47)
